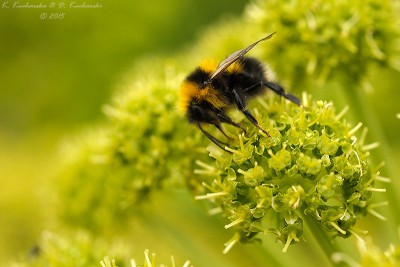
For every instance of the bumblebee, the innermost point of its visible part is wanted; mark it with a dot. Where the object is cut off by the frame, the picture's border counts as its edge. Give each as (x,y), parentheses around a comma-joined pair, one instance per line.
(212,89)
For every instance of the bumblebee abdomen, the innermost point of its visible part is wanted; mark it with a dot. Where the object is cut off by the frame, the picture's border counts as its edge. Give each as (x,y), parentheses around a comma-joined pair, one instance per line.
(253,67)
(249,80)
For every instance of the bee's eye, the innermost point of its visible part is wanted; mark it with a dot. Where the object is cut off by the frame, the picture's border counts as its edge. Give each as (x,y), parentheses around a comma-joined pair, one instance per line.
(205,84)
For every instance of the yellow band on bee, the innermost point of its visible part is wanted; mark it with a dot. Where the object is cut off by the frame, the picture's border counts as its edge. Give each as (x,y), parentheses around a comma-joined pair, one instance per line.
(190,91)
(208,65)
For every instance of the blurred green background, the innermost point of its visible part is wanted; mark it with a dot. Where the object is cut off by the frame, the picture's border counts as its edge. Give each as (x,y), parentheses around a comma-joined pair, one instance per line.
(56,75)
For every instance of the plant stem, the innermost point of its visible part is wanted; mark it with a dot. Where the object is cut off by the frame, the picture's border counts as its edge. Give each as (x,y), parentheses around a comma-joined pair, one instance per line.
(326,243)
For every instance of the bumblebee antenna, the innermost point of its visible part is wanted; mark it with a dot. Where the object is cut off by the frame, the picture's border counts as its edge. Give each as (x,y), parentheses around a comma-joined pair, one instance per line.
(224,64)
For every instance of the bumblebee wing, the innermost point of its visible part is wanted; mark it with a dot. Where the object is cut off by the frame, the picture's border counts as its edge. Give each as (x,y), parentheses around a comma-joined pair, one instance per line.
(235,56)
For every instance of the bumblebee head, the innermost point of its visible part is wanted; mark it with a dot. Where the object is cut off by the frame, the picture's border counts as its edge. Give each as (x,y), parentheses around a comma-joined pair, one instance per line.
(202,112)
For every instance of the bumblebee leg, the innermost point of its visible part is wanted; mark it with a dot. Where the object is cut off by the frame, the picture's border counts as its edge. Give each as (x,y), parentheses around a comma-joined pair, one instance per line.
(228,120)
(222,131)
(219,143)
(241,105)
(280,91)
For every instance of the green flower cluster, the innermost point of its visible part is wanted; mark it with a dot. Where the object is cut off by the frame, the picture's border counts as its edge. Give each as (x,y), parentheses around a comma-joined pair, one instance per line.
(140,149)
(312,167)
(329,40)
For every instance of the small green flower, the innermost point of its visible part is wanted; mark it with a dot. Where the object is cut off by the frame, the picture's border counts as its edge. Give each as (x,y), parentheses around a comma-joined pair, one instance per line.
(329,184)
(253,176)
(308,166)
(313,167)
(280,160)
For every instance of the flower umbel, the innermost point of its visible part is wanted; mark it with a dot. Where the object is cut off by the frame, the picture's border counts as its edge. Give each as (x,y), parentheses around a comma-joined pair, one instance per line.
(312,167)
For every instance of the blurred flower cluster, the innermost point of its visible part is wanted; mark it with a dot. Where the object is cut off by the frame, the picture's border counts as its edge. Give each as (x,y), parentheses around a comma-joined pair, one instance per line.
(141,148)
(56,249)
(337,40)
